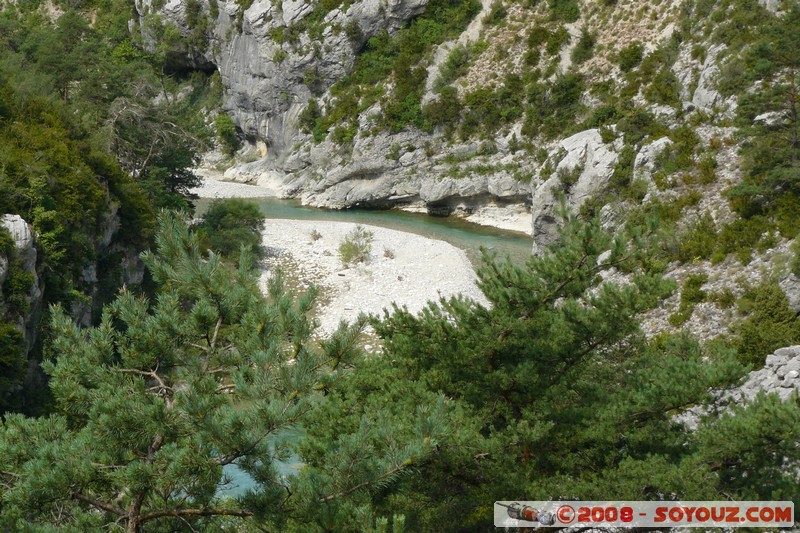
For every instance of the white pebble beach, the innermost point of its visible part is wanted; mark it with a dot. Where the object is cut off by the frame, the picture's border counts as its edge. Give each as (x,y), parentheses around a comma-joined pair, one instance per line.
(420,270)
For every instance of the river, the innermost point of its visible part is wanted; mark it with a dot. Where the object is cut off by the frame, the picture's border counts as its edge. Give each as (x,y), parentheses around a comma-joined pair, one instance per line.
(467,236)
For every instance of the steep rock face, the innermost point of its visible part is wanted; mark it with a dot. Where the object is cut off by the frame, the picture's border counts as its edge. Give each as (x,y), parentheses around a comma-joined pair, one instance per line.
(25,251)
(371,179)
(115,265)
(586,163)
(269,81)
(267,76)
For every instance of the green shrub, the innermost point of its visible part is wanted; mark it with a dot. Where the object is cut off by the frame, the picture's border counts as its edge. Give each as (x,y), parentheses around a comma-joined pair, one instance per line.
(565,10)
(630,56)
(623,170)
(226,133)
(569,178)
(446,110)
(556,40)
(741,237)
(12,360)
(488,109)
(698,241)
(314,80)
(311,121)
(457,63)
(725,298)
(638,123)
(691,295)
(537,36)
(280,55)
(707,169)
(356,246)
(497,13)
(769,324)
(17,287)
(585,47)
(664,89)
(229,224)
(692,292)
(607,135)
(6,242)
(354,32)
(552,107)
(345,133)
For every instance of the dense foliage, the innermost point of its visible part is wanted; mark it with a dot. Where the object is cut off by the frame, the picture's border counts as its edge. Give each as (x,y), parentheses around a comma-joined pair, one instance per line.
(383,56)
(94,133)
(556,395)
(230,224)
(550,392)
(156,400)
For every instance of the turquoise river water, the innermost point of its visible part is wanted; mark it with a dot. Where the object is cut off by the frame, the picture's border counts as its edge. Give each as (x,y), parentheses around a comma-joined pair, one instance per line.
(469,237)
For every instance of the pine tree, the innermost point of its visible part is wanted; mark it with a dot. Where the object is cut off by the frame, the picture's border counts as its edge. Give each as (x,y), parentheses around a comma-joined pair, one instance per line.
(556,394)
(161,395)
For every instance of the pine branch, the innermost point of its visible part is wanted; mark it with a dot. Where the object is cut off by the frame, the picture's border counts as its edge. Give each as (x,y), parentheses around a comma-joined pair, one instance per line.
(182,513)
(386,475)
(213,340)
(148,373)
(98,504)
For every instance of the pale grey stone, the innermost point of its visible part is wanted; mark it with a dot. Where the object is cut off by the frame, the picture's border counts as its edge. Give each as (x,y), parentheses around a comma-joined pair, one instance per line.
(791,287)
(788,352)
(644,164)
(586,151)
(775,360)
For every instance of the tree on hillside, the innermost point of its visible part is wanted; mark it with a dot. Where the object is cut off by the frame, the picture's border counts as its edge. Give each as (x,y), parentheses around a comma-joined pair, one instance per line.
(772,155)
(557,395)
(230,224)
(157,399)
(154,147)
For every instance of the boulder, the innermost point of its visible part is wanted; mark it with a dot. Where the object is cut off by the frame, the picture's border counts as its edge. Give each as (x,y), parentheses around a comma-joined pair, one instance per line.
(644,164)
(791,287)
(706,95)
(584,152)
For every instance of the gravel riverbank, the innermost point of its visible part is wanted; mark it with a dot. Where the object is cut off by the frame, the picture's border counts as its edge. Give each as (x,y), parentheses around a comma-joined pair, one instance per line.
(213,187)
(403,268)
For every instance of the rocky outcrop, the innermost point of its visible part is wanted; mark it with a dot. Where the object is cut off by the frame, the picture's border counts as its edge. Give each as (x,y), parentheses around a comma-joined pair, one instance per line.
(25,256)
(780,375)
(790,285)
(645,162)
(271,58)
(583,165)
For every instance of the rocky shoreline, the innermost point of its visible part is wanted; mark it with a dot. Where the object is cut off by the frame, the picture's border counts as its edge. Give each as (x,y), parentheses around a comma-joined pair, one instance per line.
(510,217)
